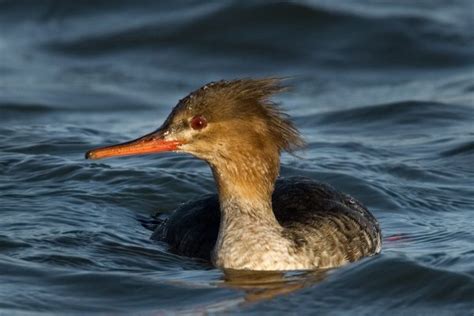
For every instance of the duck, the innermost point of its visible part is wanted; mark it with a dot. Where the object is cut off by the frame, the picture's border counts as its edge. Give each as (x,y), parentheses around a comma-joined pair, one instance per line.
(257,221)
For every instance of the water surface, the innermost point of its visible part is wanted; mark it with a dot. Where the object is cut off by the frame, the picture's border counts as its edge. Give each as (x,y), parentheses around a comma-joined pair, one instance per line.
(382,92)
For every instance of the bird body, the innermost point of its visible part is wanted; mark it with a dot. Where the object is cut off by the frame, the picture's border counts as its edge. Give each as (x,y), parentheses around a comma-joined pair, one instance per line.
(319,228)
(256,222)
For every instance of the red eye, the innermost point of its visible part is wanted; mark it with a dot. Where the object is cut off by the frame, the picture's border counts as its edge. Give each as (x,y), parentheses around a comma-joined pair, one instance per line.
(198,122)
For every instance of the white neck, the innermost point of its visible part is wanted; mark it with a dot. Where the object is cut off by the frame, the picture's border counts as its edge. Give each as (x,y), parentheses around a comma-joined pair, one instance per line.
(250,237)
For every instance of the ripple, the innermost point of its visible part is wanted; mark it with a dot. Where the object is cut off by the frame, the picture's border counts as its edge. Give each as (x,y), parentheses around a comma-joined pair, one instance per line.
(466,148)
(401,114)
(76,75)
(61,260)
(7,244)
(419,290)
(25,108)
(373,42)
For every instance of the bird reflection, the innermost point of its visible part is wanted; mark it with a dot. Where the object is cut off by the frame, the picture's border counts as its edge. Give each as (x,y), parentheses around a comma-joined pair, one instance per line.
(265,285)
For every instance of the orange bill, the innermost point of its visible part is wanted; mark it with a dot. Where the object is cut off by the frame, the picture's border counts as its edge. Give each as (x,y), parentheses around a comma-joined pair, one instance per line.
(148,144)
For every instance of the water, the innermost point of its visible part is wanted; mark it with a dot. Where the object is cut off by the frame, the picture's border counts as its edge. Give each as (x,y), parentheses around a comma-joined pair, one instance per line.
(383,93)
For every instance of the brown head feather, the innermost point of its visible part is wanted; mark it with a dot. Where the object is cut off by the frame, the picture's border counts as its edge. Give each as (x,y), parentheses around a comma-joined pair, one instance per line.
(247,100)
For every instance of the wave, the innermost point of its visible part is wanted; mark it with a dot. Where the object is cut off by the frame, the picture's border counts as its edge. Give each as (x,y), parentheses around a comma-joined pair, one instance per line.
(105,104)
(25,107)
(290,31)
(466,148)
(412,289)
(399,113)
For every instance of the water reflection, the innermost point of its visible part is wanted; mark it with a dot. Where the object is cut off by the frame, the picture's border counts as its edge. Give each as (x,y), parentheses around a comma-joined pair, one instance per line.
(265,285)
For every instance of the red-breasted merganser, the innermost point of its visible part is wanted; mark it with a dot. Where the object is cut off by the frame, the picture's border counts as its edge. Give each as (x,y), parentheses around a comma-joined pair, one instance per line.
(256,222)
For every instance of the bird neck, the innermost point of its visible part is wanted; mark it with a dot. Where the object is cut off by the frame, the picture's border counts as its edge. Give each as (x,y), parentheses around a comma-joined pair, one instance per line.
(248,227)
(246,181)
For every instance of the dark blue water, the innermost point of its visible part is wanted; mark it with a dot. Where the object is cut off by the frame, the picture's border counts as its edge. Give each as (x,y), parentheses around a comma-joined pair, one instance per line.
(383,93)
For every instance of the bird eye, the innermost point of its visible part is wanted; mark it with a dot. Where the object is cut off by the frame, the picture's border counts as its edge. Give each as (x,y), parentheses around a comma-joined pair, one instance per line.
(198,122)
